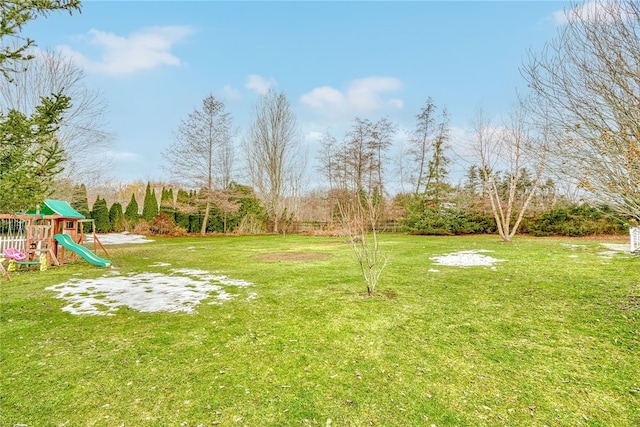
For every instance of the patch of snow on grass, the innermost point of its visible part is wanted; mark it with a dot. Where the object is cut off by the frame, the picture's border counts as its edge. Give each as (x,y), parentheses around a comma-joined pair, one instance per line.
(205,275)
(146,292)
(617,247)
(466,259)
(119,238)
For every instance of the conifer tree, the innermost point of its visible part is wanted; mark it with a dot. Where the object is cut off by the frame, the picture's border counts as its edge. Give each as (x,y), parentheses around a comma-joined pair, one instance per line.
(80,203)
(166,203)
(131,213)
(100,214)
(183,209)
(150,204)
(116,218)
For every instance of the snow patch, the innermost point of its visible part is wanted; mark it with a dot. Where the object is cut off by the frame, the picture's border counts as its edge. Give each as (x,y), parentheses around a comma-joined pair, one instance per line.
(118,238)
(470,258)
(181,291)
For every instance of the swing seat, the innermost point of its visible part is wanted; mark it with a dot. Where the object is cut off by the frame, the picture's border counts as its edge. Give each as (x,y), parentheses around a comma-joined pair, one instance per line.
(15,254)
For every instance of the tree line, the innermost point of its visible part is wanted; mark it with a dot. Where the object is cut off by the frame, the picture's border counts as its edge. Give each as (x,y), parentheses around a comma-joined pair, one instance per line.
(577,128)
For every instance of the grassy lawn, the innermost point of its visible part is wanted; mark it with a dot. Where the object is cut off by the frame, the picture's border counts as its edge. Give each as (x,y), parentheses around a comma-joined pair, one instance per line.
(550,336)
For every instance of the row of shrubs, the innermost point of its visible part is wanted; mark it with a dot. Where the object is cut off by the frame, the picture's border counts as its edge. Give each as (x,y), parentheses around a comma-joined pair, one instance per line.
(575,221)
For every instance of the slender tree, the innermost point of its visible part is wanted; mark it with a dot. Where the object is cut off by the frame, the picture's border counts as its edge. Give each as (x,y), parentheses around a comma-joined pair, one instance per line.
(274,155)
(150,204)
(202,155)
(358,192)
(426,150)
(436,184)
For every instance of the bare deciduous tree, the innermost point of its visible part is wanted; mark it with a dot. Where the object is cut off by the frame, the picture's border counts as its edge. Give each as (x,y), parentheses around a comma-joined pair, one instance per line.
(356,168)
(201,155)
(587,85)
(82,133)
(275,158)
(509,150)
(360,216)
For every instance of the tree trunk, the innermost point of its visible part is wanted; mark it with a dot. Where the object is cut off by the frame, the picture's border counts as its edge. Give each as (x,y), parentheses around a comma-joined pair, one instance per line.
(203,230)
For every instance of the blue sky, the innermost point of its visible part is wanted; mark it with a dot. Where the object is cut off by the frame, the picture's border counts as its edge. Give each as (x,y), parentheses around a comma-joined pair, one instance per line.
(154,62)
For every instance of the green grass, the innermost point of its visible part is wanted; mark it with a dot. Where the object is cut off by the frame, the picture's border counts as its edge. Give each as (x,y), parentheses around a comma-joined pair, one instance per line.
(550,337)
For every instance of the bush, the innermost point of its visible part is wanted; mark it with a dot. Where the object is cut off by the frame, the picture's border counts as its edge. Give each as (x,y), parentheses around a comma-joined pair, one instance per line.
(575,221)
(448,221)
(162,224)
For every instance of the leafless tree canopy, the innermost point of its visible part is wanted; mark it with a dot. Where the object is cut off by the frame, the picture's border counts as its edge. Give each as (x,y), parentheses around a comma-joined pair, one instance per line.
(358,163)
(201,155)
(83,132)
(506,154)
(354,170)
(587,85)
(275,158)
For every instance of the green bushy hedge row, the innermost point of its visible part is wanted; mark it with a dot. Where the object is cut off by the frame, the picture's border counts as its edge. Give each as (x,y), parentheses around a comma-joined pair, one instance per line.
(575,221)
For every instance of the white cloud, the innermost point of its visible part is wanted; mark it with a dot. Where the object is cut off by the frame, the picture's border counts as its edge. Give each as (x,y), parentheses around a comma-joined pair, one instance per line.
(229,93)
(322,96)
(364,94)
(361,95)
(143,50)
(590,11)
(259,83)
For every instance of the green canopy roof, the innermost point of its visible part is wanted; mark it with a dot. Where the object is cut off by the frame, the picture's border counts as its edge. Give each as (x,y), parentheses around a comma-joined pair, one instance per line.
(58,207)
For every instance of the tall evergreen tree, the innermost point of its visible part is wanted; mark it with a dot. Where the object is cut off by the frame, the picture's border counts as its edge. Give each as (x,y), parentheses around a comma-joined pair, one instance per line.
(31,155)
(131,213)
(150,204)
(183,209)
(166,203)
(100,214)
(116,218)
(80,203)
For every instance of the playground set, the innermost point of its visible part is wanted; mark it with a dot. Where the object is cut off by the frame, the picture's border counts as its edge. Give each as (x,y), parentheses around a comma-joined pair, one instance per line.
(42,237)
